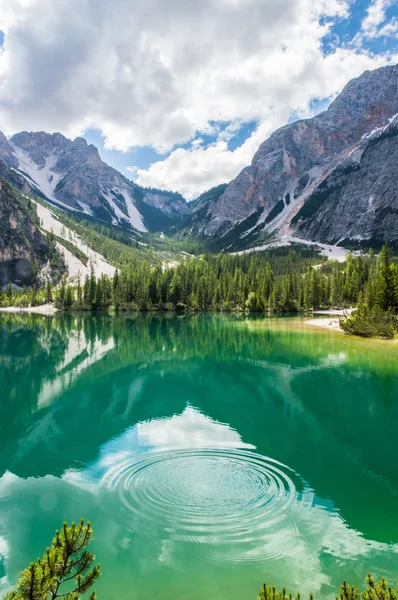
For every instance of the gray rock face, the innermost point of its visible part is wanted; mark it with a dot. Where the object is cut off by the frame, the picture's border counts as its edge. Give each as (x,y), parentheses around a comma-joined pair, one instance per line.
(40,145)
(14,178)
(359,199)
(72,174)
(296,158)
(6,152)
(168,202)
(21,243)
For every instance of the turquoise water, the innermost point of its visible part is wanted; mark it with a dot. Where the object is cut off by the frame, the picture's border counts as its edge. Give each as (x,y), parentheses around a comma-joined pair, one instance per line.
(209,452)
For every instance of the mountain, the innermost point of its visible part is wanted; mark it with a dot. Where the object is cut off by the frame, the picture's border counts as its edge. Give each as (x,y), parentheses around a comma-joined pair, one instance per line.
(359,199)
(23,249)
(293,164)
(327,179)
(72,175)
(14,178)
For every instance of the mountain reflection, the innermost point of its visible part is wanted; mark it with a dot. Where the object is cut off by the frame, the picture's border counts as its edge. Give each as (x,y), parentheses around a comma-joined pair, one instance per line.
(84,398)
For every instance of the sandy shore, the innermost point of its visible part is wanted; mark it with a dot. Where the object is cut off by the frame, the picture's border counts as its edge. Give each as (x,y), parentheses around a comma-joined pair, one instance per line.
(327,323)
(338,312)
(332,321)
(44,309)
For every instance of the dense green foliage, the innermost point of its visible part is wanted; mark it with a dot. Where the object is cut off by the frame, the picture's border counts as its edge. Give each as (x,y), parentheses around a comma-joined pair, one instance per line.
(288,281)
(119,246)
(377,310)
(270,282)
(250,282)
(30,296)
(374,591)
(66,561)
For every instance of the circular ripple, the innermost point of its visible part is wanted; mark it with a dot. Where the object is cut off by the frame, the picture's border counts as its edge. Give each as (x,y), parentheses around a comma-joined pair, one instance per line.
(214,496)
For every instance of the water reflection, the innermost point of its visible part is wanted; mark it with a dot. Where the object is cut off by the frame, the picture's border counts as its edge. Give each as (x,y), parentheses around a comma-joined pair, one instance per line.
(196,444)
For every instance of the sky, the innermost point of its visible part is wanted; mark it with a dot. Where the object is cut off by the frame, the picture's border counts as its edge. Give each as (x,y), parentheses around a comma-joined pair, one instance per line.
(179,94)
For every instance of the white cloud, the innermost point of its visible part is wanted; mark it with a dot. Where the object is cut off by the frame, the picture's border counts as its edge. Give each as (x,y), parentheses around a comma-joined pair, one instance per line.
(390,29)
(197,169)
(160,71)
(190,429)
(376,15)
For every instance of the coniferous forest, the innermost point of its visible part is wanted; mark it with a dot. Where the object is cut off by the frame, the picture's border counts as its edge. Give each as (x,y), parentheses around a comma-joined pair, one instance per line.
(290,281)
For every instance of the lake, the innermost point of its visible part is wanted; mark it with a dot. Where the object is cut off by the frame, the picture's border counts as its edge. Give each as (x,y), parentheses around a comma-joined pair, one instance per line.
(209,452)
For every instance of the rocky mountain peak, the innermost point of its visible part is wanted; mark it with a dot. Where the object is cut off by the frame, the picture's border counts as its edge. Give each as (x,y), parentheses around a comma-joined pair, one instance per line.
(266,195)
(365,102)
(72,174)
(78,153)
(80,141)
(39,145)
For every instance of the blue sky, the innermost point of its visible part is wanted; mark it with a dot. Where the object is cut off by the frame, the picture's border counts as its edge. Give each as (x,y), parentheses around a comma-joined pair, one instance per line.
(143,157)
(342,34)
(180,96)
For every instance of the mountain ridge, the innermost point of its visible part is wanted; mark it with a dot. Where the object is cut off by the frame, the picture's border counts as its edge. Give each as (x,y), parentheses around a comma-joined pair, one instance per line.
(361,191)
(71,174)
(264,198)
(274,198)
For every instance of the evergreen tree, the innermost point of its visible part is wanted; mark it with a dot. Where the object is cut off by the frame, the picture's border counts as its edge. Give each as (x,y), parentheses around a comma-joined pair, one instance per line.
(49,287)
(386,296)
(68,298)
(66,561)
(379,591)
(79,291)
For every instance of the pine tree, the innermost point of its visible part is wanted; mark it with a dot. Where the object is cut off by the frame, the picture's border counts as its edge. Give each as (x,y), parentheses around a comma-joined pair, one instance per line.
(66,561)
(61,293)
(49,295)
(79,291)
(379,591)
(68,298)
(251,302)
(386,296)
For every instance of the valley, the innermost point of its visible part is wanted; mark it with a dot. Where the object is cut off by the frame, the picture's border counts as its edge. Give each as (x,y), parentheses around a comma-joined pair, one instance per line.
(198,300)
(323,180)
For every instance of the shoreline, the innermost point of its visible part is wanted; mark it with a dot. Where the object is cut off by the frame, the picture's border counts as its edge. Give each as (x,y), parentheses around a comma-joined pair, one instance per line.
(42,309)
(330,320)
(332,324)
(338,312)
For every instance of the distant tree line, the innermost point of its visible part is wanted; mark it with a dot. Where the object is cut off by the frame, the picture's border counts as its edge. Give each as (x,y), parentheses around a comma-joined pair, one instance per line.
(256,282)
(248,282)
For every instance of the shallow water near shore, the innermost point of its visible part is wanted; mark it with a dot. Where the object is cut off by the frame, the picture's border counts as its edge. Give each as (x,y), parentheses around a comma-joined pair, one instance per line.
(209,452)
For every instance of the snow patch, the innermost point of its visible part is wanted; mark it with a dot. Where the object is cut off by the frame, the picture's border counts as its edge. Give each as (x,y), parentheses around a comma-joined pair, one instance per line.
(42,177)
(260,220)
(358,238)
(134,215)
(333,252)
(393,118)
(49,222)
(370,204)
(116,209)
(85,207)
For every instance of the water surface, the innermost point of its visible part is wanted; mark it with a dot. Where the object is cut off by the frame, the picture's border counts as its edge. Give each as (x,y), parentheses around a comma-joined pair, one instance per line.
(209,453)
